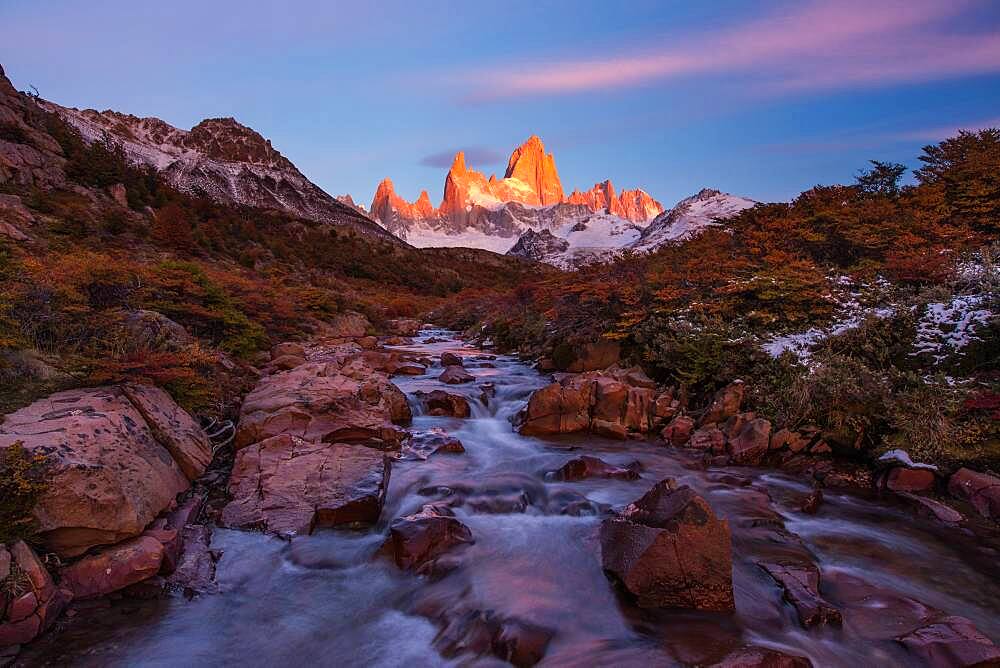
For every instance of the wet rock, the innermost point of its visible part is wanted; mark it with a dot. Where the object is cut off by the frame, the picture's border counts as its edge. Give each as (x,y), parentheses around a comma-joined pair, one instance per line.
(287,485)
(451,359)
(810,505)
(800,583)
(195,571)
(710,439)
(439,402)
(762,657)
(455,375)
(409,369)
(900,479)
(424,444)
(949,643)
(726,403)
(585,466)
(678,431)
(419,539)
(109,475)
(340,399)
(669,550)
(932,508)
(35,603)
(979,489)
(515,641)
(114,568)
(751,444)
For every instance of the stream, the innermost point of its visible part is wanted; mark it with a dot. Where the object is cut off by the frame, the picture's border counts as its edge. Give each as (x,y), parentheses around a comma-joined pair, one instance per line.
(334,598)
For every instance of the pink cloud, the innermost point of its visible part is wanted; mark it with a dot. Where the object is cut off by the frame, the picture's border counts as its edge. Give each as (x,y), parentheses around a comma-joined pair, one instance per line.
(817,45)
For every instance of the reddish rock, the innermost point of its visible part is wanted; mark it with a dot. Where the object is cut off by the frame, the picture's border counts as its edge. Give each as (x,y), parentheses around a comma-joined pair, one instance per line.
(284,363)
(751,444)
(339,398)
(665,406)
(585,466)
(708,438)
(638,409)
(451,359)
(455,375)
(114,567)
(195,571)
(678,431)
(610,399)
(409,369)
(424,444)
(615,430)
(403,326)
(595,356)
(762,657)
(951,642)
(669,550)
(810,505)
(979,489)
(439,402)
(287,485)
(800,583)
(788,439)
(727,403)
(109,473)
(515,641)
(33,611)
(347,325)
(419,539)
(932,508)
(901,479)
(558,409)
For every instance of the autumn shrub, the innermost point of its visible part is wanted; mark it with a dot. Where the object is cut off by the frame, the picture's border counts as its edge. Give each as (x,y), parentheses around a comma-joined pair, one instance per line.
(22,482)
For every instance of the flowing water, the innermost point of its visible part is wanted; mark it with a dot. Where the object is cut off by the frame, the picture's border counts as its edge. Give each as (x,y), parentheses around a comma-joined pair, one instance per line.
(333,598)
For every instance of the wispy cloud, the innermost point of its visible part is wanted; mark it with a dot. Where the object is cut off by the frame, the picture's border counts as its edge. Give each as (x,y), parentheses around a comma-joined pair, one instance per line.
(478,156)
(816,45)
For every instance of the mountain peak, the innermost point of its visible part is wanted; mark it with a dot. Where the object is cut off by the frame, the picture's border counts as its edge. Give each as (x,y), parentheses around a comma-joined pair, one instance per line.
(530,165)
(458,164)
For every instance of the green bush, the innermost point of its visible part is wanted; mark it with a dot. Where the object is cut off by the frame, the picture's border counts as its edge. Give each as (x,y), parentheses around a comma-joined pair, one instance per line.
(22,482)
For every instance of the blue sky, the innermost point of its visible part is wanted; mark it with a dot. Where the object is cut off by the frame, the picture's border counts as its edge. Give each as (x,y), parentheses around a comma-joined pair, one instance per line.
(762,99)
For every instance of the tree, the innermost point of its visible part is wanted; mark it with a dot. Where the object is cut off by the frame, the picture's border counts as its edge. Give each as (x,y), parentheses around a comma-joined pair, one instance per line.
(968,168)
(882,179)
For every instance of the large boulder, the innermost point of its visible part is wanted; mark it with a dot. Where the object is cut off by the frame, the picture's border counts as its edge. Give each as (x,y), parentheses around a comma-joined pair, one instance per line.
(35,602)
(113,568)
(115,460)
(594,356)
(585,466)
(349,325)
(678,431)
(558,409)
(288,485)
(451,359)
(340,400)
(669,550)
(439,402)
(979,489)
(750,445)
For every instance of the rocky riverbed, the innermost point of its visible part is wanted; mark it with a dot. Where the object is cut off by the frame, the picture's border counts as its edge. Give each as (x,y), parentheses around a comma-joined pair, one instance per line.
(368,525)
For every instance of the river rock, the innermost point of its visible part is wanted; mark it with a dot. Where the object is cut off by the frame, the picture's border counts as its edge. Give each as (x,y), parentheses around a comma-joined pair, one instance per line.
(342,400)
(951,642)
(195,572)
(426,443)
(678,431)
(726,403)
(451,359)
(439,402)
(800,583)
(287,485)
(669,550)
(519,643)
(752,442)
(710,439)
(979,489)
(932,508)
(585,466)
(409,369)
(38,603)
(109,476)
(418,539)
(762,657)
(113,568)
(455,375)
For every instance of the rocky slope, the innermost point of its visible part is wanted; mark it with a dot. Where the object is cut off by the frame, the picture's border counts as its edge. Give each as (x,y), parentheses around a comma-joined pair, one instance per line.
(689,216)
(221,159)
(491,213)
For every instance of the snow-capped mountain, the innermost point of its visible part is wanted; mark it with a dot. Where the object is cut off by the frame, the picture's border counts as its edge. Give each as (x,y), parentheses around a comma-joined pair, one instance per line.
(220,159)
(689,216)
(600,236)
(492,213)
